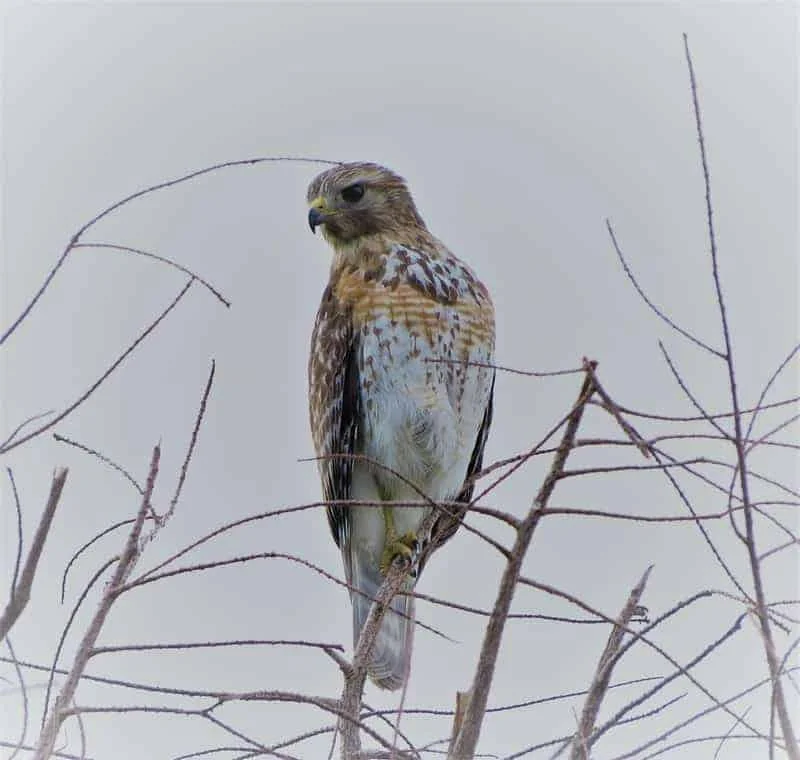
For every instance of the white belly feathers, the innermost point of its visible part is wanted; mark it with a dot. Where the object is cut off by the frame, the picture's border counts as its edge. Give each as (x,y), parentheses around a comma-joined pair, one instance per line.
(421,411)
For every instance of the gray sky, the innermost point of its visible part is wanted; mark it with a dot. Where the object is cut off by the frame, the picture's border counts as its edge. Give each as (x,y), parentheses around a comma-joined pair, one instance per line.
(519,129)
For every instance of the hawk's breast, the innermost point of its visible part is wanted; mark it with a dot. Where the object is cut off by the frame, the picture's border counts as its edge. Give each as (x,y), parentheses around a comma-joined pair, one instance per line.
(424,326)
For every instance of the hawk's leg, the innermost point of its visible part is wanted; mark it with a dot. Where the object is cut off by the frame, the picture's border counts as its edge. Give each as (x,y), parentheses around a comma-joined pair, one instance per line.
(395,545)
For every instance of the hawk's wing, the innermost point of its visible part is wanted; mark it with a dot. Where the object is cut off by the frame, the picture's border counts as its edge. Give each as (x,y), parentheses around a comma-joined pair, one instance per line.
(447,524)
(334,405)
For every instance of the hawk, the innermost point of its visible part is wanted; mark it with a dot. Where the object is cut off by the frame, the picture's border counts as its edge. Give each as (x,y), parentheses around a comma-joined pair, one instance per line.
(399,374)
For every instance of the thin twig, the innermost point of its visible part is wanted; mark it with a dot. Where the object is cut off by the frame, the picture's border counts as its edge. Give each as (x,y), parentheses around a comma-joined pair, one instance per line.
(520,461)
(697,740)
(772,379)
(787,729)
(133,196)
(716,416)
(20,538)
(660,456)
(680,671)
(693,719)
(161,521)
(613,409)
(55,753)
(164,260)
(193,442)
(509,370)
(658,312)
(103,458)
(214,644)
(727,734)
(231,561)
(688,393)
(125,354)
(83,548)
(640,636)
(22,425)
(23,731)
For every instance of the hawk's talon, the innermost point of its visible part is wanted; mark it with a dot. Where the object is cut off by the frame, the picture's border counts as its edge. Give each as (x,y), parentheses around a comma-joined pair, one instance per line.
(402,547)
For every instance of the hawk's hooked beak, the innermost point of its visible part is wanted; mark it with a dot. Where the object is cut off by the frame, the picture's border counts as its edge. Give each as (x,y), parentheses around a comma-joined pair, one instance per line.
(316,214)
(315,218)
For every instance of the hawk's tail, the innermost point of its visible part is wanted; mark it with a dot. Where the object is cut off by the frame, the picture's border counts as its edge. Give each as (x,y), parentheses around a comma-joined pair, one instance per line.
(390,659)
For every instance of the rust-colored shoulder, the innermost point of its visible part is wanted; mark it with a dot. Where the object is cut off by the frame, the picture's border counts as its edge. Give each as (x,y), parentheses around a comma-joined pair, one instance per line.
(433,272)
(437,274)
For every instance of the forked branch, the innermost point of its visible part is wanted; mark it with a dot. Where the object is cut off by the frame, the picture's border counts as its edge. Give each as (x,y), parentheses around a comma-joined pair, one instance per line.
(466,742)
(761,608)
(125,564)
(602,677)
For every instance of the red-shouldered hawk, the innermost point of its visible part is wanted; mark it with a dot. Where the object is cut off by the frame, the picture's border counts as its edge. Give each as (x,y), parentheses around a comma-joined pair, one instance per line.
(398,373)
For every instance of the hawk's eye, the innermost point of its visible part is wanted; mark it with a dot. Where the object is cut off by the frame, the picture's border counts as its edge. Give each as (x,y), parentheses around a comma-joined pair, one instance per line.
(353,193)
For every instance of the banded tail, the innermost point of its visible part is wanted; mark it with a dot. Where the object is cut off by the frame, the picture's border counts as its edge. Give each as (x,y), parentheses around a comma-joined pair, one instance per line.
(390,659)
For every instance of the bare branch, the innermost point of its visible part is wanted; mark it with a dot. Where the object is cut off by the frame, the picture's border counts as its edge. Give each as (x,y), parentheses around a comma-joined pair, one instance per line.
(193,442)
(658,312)
(688,393)
(640,636)
(716,416)
(65,631)
(509,370)
(133,196)
(521,460)
(20,537)
(697,740)
(161,521)
(125,564)
(602,676)
(103,458)
(680,671)
(24,695)
(727,734)
(639,518)
(164,260)
(632,468)
(793,748)
(690,507)
(693,719)
(83,548)
(462,702)
(214,644)
(21,592)
(772,379)
(465,744)
(22,425)
(613,409)
(55,753)
(128,351)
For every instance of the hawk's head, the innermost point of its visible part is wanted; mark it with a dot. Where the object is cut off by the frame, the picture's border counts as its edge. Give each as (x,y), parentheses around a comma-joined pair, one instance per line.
(358,199)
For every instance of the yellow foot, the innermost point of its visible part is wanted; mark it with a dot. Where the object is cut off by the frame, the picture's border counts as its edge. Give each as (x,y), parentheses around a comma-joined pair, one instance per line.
(402,546)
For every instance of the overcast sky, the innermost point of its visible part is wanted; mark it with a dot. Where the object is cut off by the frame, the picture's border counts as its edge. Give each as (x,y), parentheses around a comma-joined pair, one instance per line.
(520,130)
